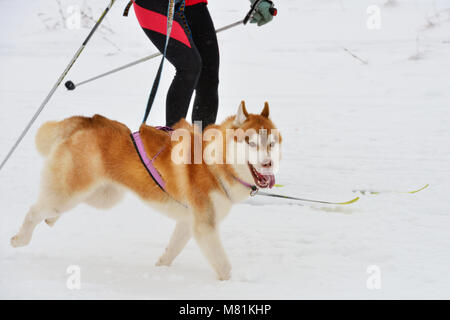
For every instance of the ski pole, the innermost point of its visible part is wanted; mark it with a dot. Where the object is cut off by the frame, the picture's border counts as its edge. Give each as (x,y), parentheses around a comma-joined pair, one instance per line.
(70,85)
(60,79)
(274,195)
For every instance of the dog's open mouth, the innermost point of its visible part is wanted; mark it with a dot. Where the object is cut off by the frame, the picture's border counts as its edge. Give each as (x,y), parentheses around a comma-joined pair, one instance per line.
(262,180)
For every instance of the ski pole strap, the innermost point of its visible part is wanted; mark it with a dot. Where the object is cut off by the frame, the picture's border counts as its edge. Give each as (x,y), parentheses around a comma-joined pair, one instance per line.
(127,8)
(252,11)
(151,99)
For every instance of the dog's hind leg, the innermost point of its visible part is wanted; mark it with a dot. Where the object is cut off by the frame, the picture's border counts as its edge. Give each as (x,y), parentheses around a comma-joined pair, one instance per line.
(35,215)
(52,202)
(48,209)
(178,241)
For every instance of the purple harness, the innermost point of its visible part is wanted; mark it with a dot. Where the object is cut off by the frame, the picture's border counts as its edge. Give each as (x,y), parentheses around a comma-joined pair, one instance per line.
(146,161)
(254,189)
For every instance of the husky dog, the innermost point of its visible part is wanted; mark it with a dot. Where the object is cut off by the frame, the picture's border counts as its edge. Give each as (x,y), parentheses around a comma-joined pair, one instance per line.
(94,160)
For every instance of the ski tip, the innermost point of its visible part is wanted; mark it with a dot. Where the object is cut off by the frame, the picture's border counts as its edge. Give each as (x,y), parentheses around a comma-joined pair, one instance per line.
(424,187)
(351,201)
(365,192)
(373,192)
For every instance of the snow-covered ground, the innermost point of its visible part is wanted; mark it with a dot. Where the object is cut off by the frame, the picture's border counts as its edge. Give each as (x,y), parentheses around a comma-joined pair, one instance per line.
(346,125)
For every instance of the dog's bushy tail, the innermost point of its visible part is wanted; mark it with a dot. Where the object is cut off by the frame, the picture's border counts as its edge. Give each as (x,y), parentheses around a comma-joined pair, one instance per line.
(46,137)
(53,132)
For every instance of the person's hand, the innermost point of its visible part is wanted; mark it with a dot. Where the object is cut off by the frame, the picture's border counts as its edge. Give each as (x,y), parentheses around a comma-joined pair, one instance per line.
(262,14)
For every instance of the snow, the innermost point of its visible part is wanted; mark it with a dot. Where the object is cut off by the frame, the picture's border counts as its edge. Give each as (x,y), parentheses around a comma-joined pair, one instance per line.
(345,125)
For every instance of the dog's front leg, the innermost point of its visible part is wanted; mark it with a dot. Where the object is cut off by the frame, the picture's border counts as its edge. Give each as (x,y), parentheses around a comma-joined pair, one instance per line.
(207,236)
(179,239)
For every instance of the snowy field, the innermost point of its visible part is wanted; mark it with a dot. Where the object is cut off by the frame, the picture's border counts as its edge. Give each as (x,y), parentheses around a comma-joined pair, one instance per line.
(383,124)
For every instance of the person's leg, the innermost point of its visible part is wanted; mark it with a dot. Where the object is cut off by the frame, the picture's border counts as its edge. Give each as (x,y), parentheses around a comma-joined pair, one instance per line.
(181,52)
(204,35)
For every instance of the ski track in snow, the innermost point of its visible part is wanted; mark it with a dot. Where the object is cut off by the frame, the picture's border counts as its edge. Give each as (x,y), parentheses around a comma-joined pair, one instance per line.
(345,125)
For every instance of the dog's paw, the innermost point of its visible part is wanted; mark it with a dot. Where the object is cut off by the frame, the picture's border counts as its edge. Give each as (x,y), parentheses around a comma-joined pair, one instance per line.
(162,262)
(224,274)
(51,221)
(18,241)
(224,277)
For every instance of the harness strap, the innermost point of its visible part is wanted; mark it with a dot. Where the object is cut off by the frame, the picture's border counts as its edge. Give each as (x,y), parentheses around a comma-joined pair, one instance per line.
(148,164)
(127,8)
(224,188)
(154,174)
(254,189)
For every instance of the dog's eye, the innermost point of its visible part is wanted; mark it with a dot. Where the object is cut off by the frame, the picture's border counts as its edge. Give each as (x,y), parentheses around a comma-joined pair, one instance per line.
(252,144)
(272,145)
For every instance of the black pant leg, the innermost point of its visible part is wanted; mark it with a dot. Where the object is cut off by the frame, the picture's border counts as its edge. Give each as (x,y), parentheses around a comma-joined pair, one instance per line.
(187,62)
(204,35)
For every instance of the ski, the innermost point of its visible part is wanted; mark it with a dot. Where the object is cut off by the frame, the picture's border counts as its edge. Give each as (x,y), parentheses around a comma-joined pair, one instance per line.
(376,192)
(262,193)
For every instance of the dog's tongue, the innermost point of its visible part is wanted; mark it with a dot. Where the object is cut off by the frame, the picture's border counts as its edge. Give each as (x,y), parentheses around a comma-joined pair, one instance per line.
(266,180)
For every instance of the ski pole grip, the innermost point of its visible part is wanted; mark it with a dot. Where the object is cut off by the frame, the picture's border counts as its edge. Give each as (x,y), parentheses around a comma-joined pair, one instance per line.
(252,11)
(273,11)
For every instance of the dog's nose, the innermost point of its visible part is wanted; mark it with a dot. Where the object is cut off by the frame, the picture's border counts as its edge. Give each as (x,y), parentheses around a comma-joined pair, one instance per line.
(267,163)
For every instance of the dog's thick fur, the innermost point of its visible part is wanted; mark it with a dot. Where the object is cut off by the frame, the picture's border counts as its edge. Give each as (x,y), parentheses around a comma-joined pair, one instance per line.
(93,160)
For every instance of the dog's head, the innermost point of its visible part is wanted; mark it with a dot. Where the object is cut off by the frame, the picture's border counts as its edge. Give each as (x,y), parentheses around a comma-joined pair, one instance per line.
(254,149)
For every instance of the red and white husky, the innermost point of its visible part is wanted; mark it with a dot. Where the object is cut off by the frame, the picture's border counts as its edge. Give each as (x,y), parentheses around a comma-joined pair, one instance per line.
(93,160)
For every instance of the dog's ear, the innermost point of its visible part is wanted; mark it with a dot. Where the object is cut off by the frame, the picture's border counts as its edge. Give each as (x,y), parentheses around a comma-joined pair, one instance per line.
(265,113)
(241,115)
